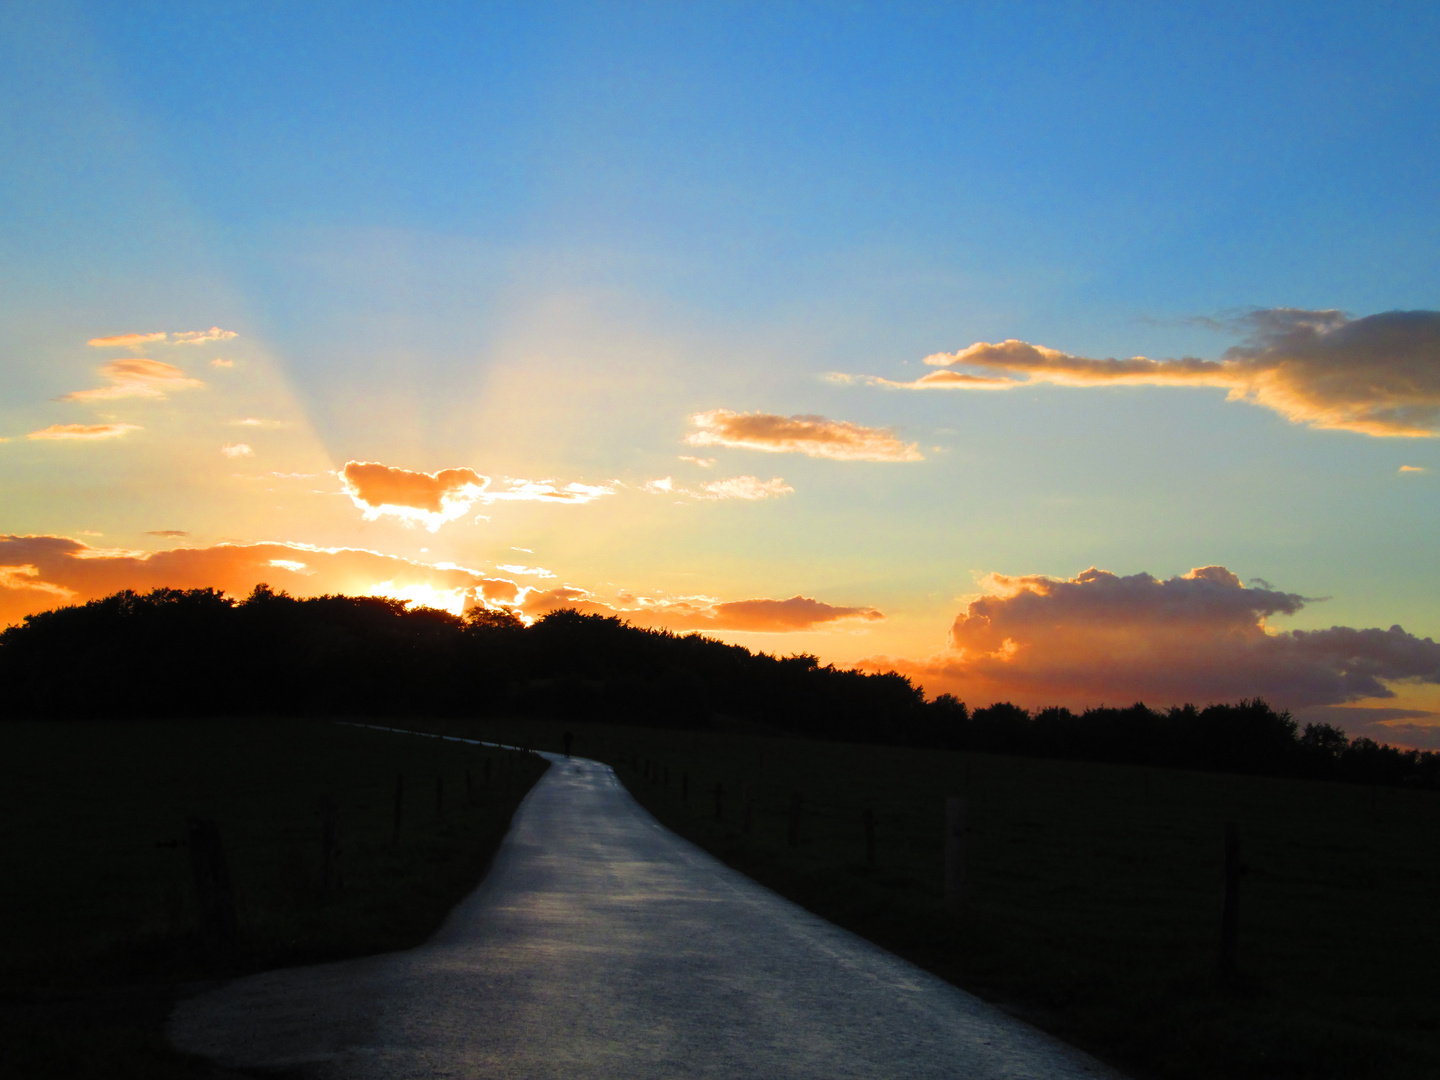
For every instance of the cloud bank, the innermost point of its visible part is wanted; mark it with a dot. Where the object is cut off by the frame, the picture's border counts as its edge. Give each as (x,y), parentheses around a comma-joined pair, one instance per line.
(1377,375)
(1201,637)
(705,614)
(42,572)
(815,436)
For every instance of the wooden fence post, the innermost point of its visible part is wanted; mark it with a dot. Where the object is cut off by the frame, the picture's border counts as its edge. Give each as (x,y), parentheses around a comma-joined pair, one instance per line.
(797,803)
(954,851)
(867,817)
(399,801)
(214,893)
(1230,906)
(329,847)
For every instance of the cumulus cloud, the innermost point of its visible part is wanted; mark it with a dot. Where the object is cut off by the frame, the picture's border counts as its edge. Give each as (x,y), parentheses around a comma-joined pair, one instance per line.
(529,571)
(1200,637)
(41,572)
(1377,375)
(703,613)
(126,341)
(816,436)
(83,431)
(220,361)
(136,377)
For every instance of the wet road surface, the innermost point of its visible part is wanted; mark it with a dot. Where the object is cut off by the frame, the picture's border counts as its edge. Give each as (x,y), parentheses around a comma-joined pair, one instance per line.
(601,945)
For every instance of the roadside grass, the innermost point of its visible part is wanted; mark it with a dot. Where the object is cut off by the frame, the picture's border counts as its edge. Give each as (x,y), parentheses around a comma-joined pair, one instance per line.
(1093,891)
(98,912)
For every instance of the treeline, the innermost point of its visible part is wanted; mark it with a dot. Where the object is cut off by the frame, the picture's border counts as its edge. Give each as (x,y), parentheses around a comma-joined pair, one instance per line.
(199,652)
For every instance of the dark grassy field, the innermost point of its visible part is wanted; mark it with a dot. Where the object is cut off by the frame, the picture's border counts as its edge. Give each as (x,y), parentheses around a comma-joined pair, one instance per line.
(1094,891)
(98,921)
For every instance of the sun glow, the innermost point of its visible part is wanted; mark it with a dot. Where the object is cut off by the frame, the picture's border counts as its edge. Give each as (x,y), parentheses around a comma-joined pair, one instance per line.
(452,600)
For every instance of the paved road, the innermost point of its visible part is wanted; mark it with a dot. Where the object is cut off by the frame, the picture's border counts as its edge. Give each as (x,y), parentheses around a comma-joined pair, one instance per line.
(601,945)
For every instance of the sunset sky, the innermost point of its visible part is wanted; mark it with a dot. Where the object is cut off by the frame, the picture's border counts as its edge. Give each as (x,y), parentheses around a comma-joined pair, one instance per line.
(1067,353)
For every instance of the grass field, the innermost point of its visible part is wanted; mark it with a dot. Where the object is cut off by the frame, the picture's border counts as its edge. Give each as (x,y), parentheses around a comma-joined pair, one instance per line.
(98,921)
(1094,891)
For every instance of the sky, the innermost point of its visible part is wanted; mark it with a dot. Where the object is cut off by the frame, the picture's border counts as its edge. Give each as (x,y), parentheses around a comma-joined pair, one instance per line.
(1053,353)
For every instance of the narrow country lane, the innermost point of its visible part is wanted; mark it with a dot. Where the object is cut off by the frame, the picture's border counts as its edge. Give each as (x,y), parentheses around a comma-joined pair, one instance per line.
(601,945)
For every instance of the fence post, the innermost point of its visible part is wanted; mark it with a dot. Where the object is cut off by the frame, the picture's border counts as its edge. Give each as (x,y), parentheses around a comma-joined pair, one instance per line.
(954,851)
(214,893)
(868,818)
(329,846)
(399,801)
(1230,906)
(797,802)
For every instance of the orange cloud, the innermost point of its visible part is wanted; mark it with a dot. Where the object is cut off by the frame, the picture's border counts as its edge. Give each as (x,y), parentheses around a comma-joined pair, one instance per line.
(816,436)
(436,498)
(1412,468)
(82,431)
(433,498)
(126,341)
(236,450)
(704,614)
(1202,637)
(1377,375)
(138,377)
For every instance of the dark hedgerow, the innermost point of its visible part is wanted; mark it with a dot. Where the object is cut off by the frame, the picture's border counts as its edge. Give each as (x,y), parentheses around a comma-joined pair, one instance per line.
(198,652)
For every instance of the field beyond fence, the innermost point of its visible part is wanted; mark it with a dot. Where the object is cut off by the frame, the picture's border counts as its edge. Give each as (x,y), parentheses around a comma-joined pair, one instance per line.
(1092,894)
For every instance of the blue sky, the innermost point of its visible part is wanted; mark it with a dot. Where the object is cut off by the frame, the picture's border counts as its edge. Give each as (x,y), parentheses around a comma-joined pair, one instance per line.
(535,240)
